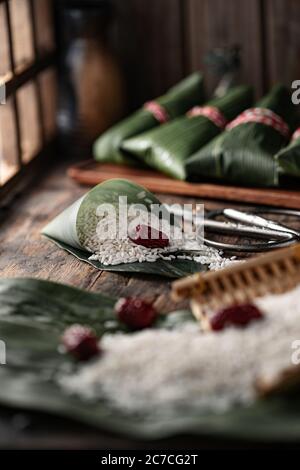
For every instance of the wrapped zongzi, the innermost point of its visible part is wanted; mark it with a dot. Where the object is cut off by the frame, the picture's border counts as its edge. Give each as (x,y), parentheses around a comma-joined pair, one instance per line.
(288,159)
(175,102)
(244,153)
(167,148)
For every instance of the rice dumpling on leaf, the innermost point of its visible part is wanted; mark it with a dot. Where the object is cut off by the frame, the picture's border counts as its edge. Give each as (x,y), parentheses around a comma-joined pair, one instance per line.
(288,159)
(244,152)
(175,102)
(109,229)
(167,148)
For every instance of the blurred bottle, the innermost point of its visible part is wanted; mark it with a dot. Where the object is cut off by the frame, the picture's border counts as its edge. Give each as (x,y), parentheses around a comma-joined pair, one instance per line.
(225,63)
(91,92)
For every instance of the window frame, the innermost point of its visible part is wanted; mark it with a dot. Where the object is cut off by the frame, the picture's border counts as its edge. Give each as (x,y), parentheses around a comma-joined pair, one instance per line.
(41,62)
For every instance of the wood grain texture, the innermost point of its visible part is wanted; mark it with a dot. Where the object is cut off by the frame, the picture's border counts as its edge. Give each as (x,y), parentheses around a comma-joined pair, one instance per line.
(282,22)
(148,40)
(159,42)
(215,23)
(25,253)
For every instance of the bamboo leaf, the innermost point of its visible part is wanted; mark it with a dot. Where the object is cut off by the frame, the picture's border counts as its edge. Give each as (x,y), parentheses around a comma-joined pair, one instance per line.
(244,155)
(171,269)
(33,314)
(176,101)
(288,159)
(70,229)
(166,148)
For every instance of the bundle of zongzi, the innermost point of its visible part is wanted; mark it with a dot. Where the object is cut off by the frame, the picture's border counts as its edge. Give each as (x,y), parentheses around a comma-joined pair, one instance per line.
(167,148)
(288,159)
(175,102)
(244,153)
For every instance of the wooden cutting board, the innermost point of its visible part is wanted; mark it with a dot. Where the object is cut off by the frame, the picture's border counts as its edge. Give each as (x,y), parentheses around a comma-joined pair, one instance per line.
(91,173)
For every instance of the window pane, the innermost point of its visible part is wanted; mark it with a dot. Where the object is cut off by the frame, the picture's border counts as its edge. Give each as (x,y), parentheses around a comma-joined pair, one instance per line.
(22,33)
(29,121)
(47,83)
(44,25)
(4,46)
(8,142)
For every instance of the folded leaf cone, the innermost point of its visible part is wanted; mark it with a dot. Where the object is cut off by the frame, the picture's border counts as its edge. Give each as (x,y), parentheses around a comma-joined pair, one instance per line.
(176,101)
(75,224)
(245,154)
(71,229)
(167,148)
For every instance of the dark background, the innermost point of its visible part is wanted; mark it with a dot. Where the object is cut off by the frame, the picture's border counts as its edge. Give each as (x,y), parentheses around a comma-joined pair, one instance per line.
(160,41)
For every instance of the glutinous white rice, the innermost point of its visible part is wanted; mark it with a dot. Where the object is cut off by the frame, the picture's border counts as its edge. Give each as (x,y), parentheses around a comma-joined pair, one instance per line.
(162,370)
(111,250)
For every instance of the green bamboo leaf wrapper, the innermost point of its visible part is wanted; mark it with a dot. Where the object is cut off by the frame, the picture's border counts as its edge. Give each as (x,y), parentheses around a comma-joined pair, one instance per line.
(288,159)
(33,315)
(167,148)
(176,101)
(70,229)
(244,155)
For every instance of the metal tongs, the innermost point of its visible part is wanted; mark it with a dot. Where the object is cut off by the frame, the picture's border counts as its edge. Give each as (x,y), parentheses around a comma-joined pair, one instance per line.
(245,225)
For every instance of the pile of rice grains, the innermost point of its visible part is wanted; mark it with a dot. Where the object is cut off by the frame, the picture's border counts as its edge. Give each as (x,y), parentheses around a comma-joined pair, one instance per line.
(167,243)
(160,370)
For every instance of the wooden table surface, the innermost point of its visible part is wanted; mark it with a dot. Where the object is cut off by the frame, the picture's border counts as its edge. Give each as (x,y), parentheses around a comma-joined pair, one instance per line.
(24,253)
